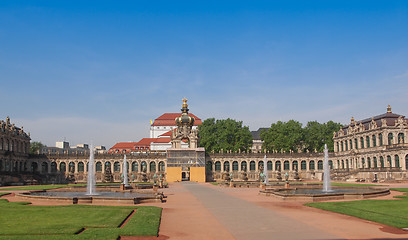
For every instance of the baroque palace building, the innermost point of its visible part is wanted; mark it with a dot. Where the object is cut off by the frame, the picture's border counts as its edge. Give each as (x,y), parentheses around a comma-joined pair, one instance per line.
(14,149)
(373,149)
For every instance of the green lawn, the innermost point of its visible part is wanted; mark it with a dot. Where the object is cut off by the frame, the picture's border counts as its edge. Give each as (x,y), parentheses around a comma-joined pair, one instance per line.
(21,221)
(389,212)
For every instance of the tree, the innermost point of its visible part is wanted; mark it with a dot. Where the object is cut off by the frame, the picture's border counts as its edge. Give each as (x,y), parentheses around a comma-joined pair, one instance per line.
(283,136)
(226,134)
(35,147)
(329,128)
(314,136)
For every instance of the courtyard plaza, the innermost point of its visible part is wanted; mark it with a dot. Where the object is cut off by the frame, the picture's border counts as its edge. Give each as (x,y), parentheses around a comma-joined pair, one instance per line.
(205,211)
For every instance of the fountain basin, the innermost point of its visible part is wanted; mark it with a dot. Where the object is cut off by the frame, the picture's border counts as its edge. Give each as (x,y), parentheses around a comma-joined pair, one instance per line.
(108,196)
(317,194)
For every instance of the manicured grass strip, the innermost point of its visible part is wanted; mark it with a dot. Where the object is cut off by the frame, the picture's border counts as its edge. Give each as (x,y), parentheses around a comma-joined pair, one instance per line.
(21,221)
(389,212)
(355,184)
(36,187)
(4,193)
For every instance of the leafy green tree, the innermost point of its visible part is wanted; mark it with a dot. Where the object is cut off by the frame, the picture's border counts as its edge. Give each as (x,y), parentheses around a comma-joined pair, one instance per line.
(35,147)
(284,136)
(226,134)
(314,136)
(329,128)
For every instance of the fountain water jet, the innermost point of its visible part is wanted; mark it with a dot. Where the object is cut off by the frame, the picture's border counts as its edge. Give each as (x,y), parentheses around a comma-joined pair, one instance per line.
(266,181)
(326,171)
(90,187)
(125,172)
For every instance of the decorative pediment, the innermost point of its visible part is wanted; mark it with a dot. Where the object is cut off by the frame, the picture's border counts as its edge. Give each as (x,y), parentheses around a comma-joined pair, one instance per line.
(361,127)
(373,124)
(400,122)
(350,130)
(383,122)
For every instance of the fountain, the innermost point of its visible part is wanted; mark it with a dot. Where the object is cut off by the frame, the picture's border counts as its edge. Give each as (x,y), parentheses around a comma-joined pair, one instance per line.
(90,187)
(125,172)
(266,181)
(326,171)
(106,194)
(309,192)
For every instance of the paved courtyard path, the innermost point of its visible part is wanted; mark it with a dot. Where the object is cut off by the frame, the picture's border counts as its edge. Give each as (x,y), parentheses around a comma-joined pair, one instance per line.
(204,211)
(246,220)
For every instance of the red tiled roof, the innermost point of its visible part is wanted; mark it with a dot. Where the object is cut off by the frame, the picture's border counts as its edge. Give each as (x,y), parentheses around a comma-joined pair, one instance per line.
(167,134)
(168,119)
(162,140)
(124,145)
(145,141)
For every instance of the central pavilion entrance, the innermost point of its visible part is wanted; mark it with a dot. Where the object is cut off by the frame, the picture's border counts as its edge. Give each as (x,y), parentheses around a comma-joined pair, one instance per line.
(186,165)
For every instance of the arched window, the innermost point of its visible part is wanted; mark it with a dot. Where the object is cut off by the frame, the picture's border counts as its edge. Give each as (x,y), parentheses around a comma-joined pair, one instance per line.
(396,159)
(234,166)
(34,167)
(116,167)
(347,163)
(390,138)
(53,167)
(362,163)
(152,166)
(380,139)
(312,165)
(368,141)
(80,167)
(260,165)
(286,165)
(400,138)
(63,167)
(135,166)
(98,167)
(369,162)
(330,164)
(252,166)
(226,166)
(44,167)
(209,166)
(381,162)
(346,145)
(389,161)
(144,166)
(374,141)
(338,147)
(406,161)
(244,166)
(351,144)
(362,142)
(108,165)
(295,166)
(269,165)
(342,146)
(303,165)
(278,166)
(162,166)
(217,166)
(356,143)
(342,164)
(71,167)
(375,162)
(320,165)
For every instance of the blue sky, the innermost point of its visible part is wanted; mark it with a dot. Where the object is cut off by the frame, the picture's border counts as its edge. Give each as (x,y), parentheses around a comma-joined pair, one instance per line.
(100,70)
